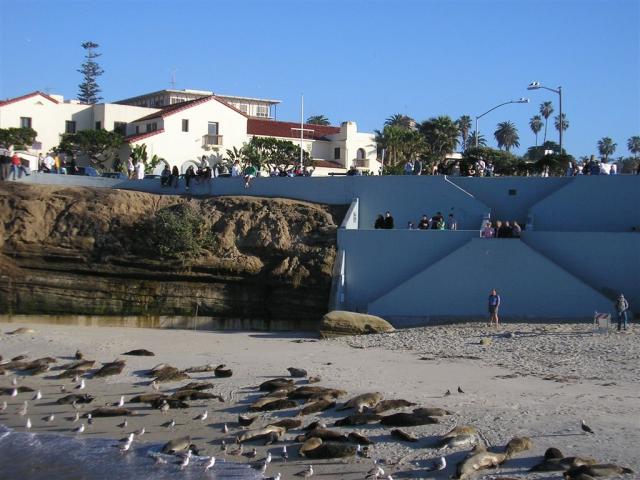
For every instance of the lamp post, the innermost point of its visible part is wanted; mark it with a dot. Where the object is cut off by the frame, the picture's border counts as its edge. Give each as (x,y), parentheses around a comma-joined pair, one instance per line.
(520,100)
(537,86)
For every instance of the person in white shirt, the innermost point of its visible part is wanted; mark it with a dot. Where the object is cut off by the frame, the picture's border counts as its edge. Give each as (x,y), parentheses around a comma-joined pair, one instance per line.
(614,169)
(49,162)
(130,167)
(236,170)
(140,170)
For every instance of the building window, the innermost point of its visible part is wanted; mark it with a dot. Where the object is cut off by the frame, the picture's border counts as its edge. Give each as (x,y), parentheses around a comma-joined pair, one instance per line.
(243,107)
(360,154)
(25,122)
(262,111)
(185,125)
(98,125)
(336,153)
(69,126)
(120,127)
(152,127)
(137,129)
(213,128)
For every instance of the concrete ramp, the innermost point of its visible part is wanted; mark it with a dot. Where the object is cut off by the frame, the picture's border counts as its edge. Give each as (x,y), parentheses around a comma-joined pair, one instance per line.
(531,287)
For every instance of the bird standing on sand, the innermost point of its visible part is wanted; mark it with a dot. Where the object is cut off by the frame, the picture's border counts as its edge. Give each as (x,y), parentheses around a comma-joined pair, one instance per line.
(308,472)
(261,466)
(268,459)
(28,424)
(77,417)
(89,419)
(139,432)
(284,454)
(447,393)
(23,410)
(121,402)
(225,429)
(169,424)
(3,407)
(38,395)
(439,464)
(252,454)
(223,446)
(80,429)
(164,408)
(210,463)
(123,424)
(375,473)
(14,381)
(155,386)
(49,418)
(14,392)
(63,389)
(185,460)
(203,416)
(82,385)
(125,447)
(585,427)
(460,390)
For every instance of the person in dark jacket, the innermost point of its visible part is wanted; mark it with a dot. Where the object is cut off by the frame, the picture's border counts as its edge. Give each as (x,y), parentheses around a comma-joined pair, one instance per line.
(388,221)
(379,222)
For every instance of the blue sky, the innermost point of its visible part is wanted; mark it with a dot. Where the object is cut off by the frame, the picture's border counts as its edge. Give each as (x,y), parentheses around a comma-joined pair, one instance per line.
(353,60)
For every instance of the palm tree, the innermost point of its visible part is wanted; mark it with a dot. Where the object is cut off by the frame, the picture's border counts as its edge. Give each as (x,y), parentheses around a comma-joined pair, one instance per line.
(400,120)
(507,135)
(536,125)
(464,125)
(471,141)
(546,109)
(441,135)
(606,147)
(318,120)
(565,122)
(633,144)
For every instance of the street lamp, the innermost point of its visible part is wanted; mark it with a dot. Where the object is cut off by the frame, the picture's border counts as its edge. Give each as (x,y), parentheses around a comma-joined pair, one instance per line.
(520,100)
(537,86)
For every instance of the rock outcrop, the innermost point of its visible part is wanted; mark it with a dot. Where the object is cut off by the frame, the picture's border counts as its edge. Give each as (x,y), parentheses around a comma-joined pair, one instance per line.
(89,252)
(339,322)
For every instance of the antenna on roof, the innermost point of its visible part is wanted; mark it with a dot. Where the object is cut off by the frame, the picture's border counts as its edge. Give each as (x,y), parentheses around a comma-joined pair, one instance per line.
(173,79)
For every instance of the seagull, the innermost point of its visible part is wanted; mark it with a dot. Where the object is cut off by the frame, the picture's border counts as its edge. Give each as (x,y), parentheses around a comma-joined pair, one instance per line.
(225,429)
(586,428)
(223,446)
(210,463)
(140,432)
(129,438)
(89,419)
(203,416)
(277,476)
(155,386)
(268,459)
(164,408)
(125,447)
(81,386)
(80,429)
(252,454)
(3,407)
(261,466)
(460,390)
(306,473)
(447,393)
(76,379)
(169,424)
(14,392)
(160,460)
(14,381)
(284,454)
(439,464)
(63,389)
(23,410)
(185,460)
(376,472)
(28,424)
(76,406)
(123,424)
(77,417)
(38,395)
(49,418)
(121,402)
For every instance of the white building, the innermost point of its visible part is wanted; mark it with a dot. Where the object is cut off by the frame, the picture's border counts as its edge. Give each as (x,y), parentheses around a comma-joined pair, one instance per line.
(181,126)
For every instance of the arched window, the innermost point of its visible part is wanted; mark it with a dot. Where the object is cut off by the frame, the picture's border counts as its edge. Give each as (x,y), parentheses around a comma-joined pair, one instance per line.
(361,154)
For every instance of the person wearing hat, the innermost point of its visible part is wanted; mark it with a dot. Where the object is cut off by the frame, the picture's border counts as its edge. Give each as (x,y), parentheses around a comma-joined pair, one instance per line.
(621,308)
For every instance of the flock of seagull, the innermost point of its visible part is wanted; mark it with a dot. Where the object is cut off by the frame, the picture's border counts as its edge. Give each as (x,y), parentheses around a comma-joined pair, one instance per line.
(299,391)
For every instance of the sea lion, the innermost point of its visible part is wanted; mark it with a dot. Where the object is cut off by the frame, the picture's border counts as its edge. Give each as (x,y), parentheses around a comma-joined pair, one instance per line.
(140,352)
(201,369)
(461,430)
(360,439)
(195,395)
(22,331)
(110,412)
(358,419)
(75,398)
(197,386)
(552,452)
(77,365)
(261,433)
(172,402)
(147,398)
(432,411)
(111,368)
(176,445)
(385,405)
(297,372)
(479,461)
(35,369)
(279,393)
(310,444)
(169,374)
(596,470)
(559,464)
(306,391)
(315,407)
(279,404)
(314,425)
(327,394)
(407,420)
(221,371)
(462,440)
(257,405)
(274,384)
(327,435)
(68,374)
(314,379)
(287,423)
(517,445)
(402,435)
(332,450)
(20,389)
(245,420)
(360,401)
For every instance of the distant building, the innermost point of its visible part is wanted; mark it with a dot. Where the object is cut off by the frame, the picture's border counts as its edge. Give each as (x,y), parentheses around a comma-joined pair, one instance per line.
(181,126)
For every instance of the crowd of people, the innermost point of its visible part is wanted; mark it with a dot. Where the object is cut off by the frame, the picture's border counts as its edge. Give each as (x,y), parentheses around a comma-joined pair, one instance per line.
(501,229)
(436,222)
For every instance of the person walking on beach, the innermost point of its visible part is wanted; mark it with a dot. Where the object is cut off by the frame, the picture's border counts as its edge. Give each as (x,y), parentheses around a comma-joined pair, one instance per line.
(494,305)
(621,308)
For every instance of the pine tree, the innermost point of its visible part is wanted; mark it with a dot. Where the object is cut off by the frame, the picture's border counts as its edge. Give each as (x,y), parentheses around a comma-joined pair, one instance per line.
(89,88)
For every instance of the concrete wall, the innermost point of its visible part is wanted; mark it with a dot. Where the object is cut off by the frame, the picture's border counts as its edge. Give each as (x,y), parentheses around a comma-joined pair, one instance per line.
(379,260)
(609,262)
(531,286)
(600,203)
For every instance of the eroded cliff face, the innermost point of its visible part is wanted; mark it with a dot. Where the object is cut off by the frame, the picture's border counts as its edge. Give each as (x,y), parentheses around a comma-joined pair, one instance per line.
(86,251)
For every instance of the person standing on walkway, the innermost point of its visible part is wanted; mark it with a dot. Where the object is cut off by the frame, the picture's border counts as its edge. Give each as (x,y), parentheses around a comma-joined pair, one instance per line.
(621,308)
(494,305)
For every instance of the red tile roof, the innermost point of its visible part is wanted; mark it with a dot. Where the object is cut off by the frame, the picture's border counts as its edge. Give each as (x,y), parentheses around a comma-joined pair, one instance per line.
(28,95)
(179,107)
(272,128)
(140,136)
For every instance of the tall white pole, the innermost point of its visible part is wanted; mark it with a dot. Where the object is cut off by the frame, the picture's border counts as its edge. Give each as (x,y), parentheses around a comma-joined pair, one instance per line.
(301,127)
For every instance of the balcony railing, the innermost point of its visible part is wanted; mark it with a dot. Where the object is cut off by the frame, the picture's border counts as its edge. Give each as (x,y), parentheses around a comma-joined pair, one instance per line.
(211,140)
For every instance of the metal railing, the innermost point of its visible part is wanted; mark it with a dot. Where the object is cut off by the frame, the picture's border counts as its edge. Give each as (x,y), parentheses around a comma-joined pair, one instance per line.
(211,140)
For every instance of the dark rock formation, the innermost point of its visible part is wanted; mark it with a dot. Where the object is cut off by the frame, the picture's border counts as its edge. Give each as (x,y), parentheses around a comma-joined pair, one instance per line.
(83,251)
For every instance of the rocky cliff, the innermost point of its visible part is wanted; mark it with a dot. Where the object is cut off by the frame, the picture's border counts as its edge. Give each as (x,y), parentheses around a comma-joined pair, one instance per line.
(84,251)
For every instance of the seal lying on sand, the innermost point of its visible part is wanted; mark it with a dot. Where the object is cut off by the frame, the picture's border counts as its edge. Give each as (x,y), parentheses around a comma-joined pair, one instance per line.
(111,368)
(385,405)
(261,433)
(358,419)
(140,352)
(365,400)
(517,445)
(176,445)
(559,464)
(407,420)
(297,372)
(468,467)
(315,407)
(597,470)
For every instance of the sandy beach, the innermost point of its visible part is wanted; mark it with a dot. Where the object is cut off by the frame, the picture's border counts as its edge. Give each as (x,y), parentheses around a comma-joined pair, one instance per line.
(535,380)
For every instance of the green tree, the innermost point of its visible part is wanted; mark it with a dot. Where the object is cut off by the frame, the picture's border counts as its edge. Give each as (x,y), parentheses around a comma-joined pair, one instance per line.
(546,109)
(507,135)
(139,154)
(606,147)
(273,153)
(471,141)
(400,120)
(536,125)
(90,70)
(536,153)
(318,120)
(633,144)
(19,138)
(464,126)
(565,122)
(99,146)
(441,136)
(504,163)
